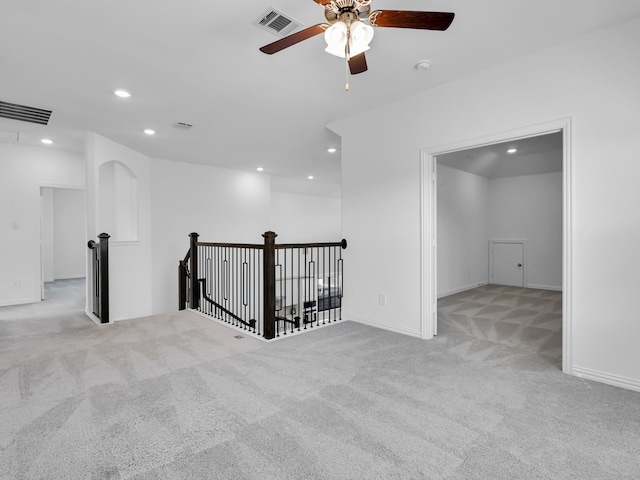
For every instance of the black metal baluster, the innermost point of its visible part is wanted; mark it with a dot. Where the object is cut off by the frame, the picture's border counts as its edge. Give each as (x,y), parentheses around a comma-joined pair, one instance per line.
(299,303)
(340,292)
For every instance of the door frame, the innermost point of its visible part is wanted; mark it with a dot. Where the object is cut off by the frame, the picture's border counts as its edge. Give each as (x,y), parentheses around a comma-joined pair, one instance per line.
(38,253)
(525,259)
(429,221)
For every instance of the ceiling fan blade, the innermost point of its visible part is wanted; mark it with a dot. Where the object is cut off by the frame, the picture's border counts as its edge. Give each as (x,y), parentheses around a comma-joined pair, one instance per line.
(322,2)
(358,64)
(410,19)
(294,38)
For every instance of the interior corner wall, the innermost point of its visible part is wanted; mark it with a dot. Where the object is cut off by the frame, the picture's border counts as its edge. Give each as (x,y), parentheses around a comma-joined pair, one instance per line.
(381,208)
(130,262)
(463,225)
(23,170)
(219,204)
(530,207)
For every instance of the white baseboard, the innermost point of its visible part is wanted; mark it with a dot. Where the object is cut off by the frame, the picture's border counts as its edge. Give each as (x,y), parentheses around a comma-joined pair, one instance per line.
(383,326)
(71,277)
(18,301)
(462,289)
(608,378)
(544,287)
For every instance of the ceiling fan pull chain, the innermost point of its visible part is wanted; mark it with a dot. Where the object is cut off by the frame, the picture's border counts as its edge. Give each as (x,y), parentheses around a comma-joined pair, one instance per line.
(346,87)
(346,58)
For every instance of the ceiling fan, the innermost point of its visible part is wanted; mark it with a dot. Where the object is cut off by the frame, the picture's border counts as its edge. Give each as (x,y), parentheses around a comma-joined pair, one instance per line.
(349,29)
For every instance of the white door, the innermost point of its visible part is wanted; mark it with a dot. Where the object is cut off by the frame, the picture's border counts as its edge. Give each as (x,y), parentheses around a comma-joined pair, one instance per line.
(507,263)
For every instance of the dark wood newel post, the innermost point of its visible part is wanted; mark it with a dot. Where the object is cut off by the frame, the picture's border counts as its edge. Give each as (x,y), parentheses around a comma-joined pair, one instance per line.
(104,277)
(194,301)
(182,285)
(269,281)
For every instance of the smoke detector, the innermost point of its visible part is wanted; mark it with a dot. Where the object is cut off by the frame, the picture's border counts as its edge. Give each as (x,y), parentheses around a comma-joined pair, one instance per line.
(423,65)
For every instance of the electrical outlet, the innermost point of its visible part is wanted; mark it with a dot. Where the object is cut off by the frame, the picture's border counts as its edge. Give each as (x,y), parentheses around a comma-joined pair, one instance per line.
(382,299)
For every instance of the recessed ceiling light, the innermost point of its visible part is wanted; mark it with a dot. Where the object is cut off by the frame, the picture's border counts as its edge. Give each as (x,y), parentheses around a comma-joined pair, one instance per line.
(310,177)
(260,169)
(512,150)
(122,93)
(332,150)
(46,141)
(148,131)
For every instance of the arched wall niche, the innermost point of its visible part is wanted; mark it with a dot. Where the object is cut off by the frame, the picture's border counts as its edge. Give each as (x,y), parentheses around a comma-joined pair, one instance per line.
(118,201)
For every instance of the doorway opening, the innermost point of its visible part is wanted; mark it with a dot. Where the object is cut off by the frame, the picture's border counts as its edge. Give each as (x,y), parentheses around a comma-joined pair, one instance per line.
(496,237)
(62,246)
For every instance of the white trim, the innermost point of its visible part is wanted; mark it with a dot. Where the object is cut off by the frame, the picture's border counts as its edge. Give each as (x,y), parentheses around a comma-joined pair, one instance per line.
(462,289)
(19,301)
(525,258)
(428,240)
(555,288)
(608,378)
(248,333)
(38,250)
(428,223)
(567,250)
(382,326)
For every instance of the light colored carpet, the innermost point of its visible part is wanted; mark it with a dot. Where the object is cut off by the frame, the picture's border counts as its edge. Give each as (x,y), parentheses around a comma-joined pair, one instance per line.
(486,320)
(179,397)
(62,298)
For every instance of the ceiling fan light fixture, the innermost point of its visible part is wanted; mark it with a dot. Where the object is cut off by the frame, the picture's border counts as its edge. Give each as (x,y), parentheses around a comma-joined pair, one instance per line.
(358,33)
(336,38)
(361,35)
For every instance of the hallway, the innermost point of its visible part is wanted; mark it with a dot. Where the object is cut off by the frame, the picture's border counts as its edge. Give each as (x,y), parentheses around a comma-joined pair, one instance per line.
(62,297)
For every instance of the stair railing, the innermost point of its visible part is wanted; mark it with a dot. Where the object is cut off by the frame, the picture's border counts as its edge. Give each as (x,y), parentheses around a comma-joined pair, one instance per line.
(267,289)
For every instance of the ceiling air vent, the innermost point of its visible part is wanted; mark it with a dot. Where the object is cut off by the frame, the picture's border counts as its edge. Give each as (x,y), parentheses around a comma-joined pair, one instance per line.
(183,125)
(23,113)
(275,21)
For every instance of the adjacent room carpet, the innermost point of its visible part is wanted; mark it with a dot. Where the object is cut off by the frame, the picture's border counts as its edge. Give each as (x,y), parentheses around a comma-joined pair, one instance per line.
(180,397)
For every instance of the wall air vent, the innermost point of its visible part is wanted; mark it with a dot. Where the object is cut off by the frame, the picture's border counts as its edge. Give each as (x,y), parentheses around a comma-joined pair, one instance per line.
(23,113)
(276,22)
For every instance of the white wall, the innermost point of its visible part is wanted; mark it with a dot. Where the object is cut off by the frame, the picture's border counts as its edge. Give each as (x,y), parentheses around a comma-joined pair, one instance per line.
(69,233)
(305,218)
(548,85)
(463,230)
(530,207)
(473,210)
(130,262)
(23,170)
(221,205)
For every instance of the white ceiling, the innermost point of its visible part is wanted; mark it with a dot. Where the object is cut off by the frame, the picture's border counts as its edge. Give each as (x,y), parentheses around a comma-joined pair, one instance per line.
(198,62)
(533,156)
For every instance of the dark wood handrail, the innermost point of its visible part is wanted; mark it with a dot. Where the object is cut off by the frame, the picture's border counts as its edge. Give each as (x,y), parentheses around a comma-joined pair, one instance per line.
(251,323)
(342,244)
(231,245)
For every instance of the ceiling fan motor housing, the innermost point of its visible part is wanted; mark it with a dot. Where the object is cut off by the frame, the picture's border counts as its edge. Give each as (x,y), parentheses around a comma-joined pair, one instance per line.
(347,11)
